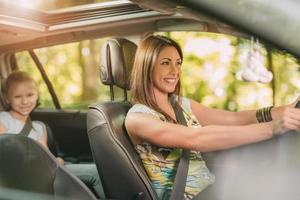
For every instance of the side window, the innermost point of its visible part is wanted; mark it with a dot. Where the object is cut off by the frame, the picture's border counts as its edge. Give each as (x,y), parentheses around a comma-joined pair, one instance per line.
(73,70)
(25,63)
(210,72)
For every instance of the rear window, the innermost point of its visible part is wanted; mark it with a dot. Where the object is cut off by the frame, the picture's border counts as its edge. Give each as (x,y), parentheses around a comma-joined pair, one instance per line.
(73,71)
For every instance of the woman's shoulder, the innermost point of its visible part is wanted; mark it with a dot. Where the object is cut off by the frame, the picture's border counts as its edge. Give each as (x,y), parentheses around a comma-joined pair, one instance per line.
(185,103)
(140,108)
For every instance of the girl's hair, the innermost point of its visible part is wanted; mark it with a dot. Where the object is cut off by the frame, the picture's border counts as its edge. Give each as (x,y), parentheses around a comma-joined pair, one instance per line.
(16,77)
(141,76)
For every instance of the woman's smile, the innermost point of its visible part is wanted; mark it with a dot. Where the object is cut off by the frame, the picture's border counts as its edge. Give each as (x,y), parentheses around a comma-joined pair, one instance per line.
(170,80)
(167,70)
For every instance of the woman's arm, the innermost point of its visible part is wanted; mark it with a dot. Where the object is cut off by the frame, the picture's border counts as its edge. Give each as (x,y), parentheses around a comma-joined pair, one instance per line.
(220,117)
(143,127)
(207,116)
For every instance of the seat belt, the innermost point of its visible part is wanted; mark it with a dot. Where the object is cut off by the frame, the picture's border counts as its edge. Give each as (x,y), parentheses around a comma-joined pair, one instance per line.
(27,127)
(182,170)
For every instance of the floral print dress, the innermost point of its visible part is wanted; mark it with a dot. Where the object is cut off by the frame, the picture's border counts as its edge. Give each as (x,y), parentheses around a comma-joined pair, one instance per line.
(161,163)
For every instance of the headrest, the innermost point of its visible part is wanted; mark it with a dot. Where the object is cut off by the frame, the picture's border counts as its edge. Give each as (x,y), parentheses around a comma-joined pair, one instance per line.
(116,61)
(25,165)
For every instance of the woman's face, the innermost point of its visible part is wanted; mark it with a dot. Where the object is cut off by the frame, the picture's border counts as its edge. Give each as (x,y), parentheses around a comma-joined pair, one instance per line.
(166,71)
(22,97)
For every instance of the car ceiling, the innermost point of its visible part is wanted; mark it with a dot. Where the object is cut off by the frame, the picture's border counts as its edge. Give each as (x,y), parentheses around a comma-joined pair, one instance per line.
(275,21)
(23,28)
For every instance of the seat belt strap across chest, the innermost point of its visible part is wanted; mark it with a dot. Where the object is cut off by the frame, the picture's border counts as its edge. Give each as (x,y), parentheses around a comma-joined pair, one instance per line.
(27,127)
(182,170)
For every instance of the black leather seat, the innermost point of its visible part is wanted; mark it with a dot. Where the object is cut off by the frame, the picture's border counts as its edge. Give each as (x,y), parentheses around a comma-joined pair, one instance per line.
(51,142)
(27,166)
(118,164)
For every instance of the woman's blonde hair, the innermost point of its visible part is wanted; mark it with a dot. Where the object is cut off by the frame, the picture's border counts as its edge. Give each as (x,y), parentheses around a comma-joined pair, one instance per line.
(141,76)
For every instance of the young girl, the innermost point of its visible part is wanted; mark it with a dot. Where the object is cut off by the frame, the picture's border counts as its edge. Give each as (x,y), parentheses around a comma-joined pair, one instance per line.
(21,94)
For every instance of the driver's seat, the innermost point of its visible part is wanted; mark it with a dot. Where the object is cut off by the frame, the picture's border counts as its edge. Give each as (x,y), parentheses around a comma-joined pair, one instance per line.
(118,164)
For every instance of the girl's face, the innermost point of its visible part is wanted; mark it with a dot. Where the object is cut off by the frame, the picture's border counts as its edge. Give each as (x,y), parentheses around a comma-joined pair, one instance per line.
(22,97)
(166,71)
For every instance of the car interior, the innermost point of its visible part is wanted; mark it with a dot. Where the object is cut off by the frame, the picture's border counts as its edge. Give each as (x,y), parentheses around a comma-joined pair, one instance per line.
(267,170)
(119,165)
(27,166)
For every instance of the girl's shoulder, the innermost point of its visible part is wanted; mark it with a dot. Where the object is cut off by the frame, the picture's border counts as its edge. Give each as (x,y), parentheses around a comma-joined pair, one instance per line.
(39,129)
(5,117)
(4,114)
(39,125)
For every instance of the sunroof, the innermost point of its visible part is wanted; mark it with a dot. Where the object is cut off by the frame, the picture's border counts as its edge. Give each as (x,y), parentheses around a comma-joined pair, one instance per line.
(69,17)
(49,5)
